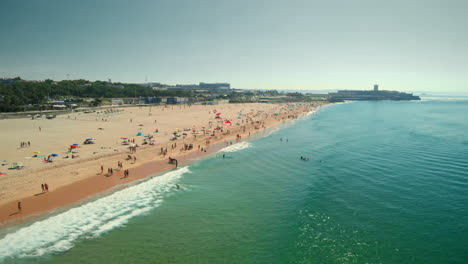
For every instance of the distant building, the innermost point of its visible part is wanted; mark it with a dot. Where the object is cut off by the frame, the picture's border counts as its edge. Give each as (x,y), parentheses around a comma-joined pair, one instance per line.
(154,100)
(376,87)
(117,102)
(160,88)
(153,84)
(367,95)
(179,100)
(132,101)
(186,87)
(215,85)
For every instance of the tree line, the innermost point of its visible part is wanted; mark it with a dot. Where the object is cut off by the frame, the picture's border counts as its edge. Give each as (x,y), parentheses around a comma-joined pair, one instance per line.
(24,95)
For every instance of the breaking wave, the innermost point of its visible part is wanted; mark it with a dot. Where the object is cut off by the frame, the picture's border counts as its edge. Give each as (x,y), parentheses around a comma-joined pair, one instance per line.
(236,147)
(58,233)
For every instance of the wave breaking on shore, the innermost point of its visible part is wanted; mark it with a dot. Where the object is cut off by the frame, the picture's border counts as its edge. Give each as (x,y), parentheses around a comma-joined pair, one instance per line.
(58,233)
(237,147)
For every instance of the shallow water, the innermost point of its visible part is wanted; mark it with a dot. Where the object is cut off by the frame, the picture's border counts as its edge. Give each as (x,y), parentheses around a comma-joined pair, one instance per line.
(386,182)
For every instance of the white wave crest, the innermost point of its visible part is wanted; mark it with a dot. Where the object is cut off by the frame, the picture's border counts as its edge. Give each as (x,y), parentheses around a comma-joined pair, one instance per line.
(236,147)
(58,233)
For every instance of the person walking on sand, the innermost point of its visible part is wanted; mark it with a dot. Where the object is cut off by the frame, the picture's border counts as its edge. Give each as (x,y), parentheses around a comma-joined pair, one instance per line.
(29,144)
(46,187)
(42,186)
(40,129)
(102,169)
(19,207)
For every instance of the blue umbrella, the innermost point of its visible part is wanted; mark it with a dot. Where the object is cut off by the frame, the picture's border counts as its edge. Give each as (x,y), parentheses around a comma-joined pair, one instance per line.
(54,155)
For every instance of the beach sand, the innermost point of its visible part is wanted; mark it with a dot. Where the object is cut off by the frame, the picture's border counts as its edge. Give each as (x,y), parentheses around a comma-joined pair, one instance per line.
(71,180)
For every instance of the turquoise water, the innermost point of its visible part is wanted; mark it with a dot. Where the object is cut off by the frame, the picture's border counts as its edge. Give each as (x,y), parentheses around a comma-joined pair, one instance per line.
(387,182)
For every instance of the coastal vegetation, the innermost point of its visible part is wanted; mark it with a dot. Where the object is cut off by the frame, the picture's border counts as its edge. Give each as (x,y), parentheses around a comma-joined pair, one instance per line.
(19,95)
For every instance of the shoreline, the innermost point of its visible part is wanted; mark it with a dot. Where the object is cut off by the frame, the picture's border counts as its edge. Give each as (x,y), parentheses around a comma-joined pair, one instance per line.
(43,204)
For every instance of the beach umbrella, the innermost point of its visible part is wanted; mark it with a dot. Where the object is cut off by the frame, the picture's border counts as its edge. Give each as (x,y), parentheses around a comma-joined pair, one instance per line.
(218,114)
(75,144)
(37,152)
(227,122)
(54,155)
(90,139)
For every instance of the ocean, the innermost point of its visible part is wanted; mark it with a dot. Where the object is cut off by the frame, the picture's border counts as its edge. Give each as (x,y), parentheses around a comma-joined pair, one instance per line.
(386,182)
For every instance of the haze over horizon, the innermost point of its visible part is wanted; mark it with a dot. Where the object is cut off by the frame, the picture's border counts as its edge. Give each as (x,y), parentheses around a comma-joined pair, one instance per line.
(415,45)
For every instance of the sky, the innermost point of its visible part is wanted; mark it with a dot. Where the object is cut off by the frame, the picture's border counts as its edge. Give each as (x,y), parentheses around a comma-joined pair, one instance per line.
(410,45)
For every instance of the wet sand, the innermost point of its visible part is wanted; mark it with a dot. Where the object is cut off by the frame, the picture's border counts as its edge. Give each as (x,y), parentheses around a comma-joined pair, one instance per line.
(71,182)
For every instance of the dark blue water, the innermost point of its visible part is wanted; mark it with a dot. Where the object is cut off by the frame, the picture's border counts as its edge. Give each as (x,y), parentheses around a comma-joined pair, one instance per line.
(387,182)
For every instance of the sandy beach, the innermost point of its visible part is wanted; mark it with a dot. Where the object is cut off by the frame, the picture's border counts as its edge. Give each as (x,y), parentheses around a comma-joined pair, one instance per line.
(204,127)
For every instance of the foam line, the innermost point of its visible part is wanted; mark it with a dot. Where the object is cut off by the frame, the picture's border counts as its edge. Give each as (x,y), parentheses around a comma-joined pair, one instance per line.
(58,233)
(236,147)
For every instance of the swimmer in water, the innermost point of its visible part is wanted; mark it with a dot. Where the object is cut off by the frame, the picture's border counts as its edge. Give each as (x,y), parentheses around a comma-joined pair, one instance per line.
(224,155)
(177,186)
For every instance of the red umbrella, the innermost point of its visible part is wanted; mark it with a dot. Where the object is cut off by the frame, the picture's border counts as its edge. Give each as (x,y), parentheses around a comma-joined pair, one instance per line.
(227,122)
(218,113)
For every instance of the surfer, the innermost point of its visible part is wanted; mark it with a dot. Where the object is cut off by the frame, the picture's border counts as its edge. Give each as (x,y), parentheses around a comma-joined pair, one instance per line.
(302,158)
(177,186)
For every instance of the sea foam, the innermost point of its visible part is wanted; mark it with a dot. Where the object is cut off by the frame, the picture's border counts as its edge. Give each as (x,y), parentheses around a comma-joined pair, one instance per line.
(236,147)
(58,233)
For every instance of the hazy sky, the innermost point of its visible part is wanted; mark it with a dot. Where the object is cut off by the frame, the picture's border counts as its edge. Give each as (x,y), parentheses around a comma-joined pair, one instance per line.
(408,45)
